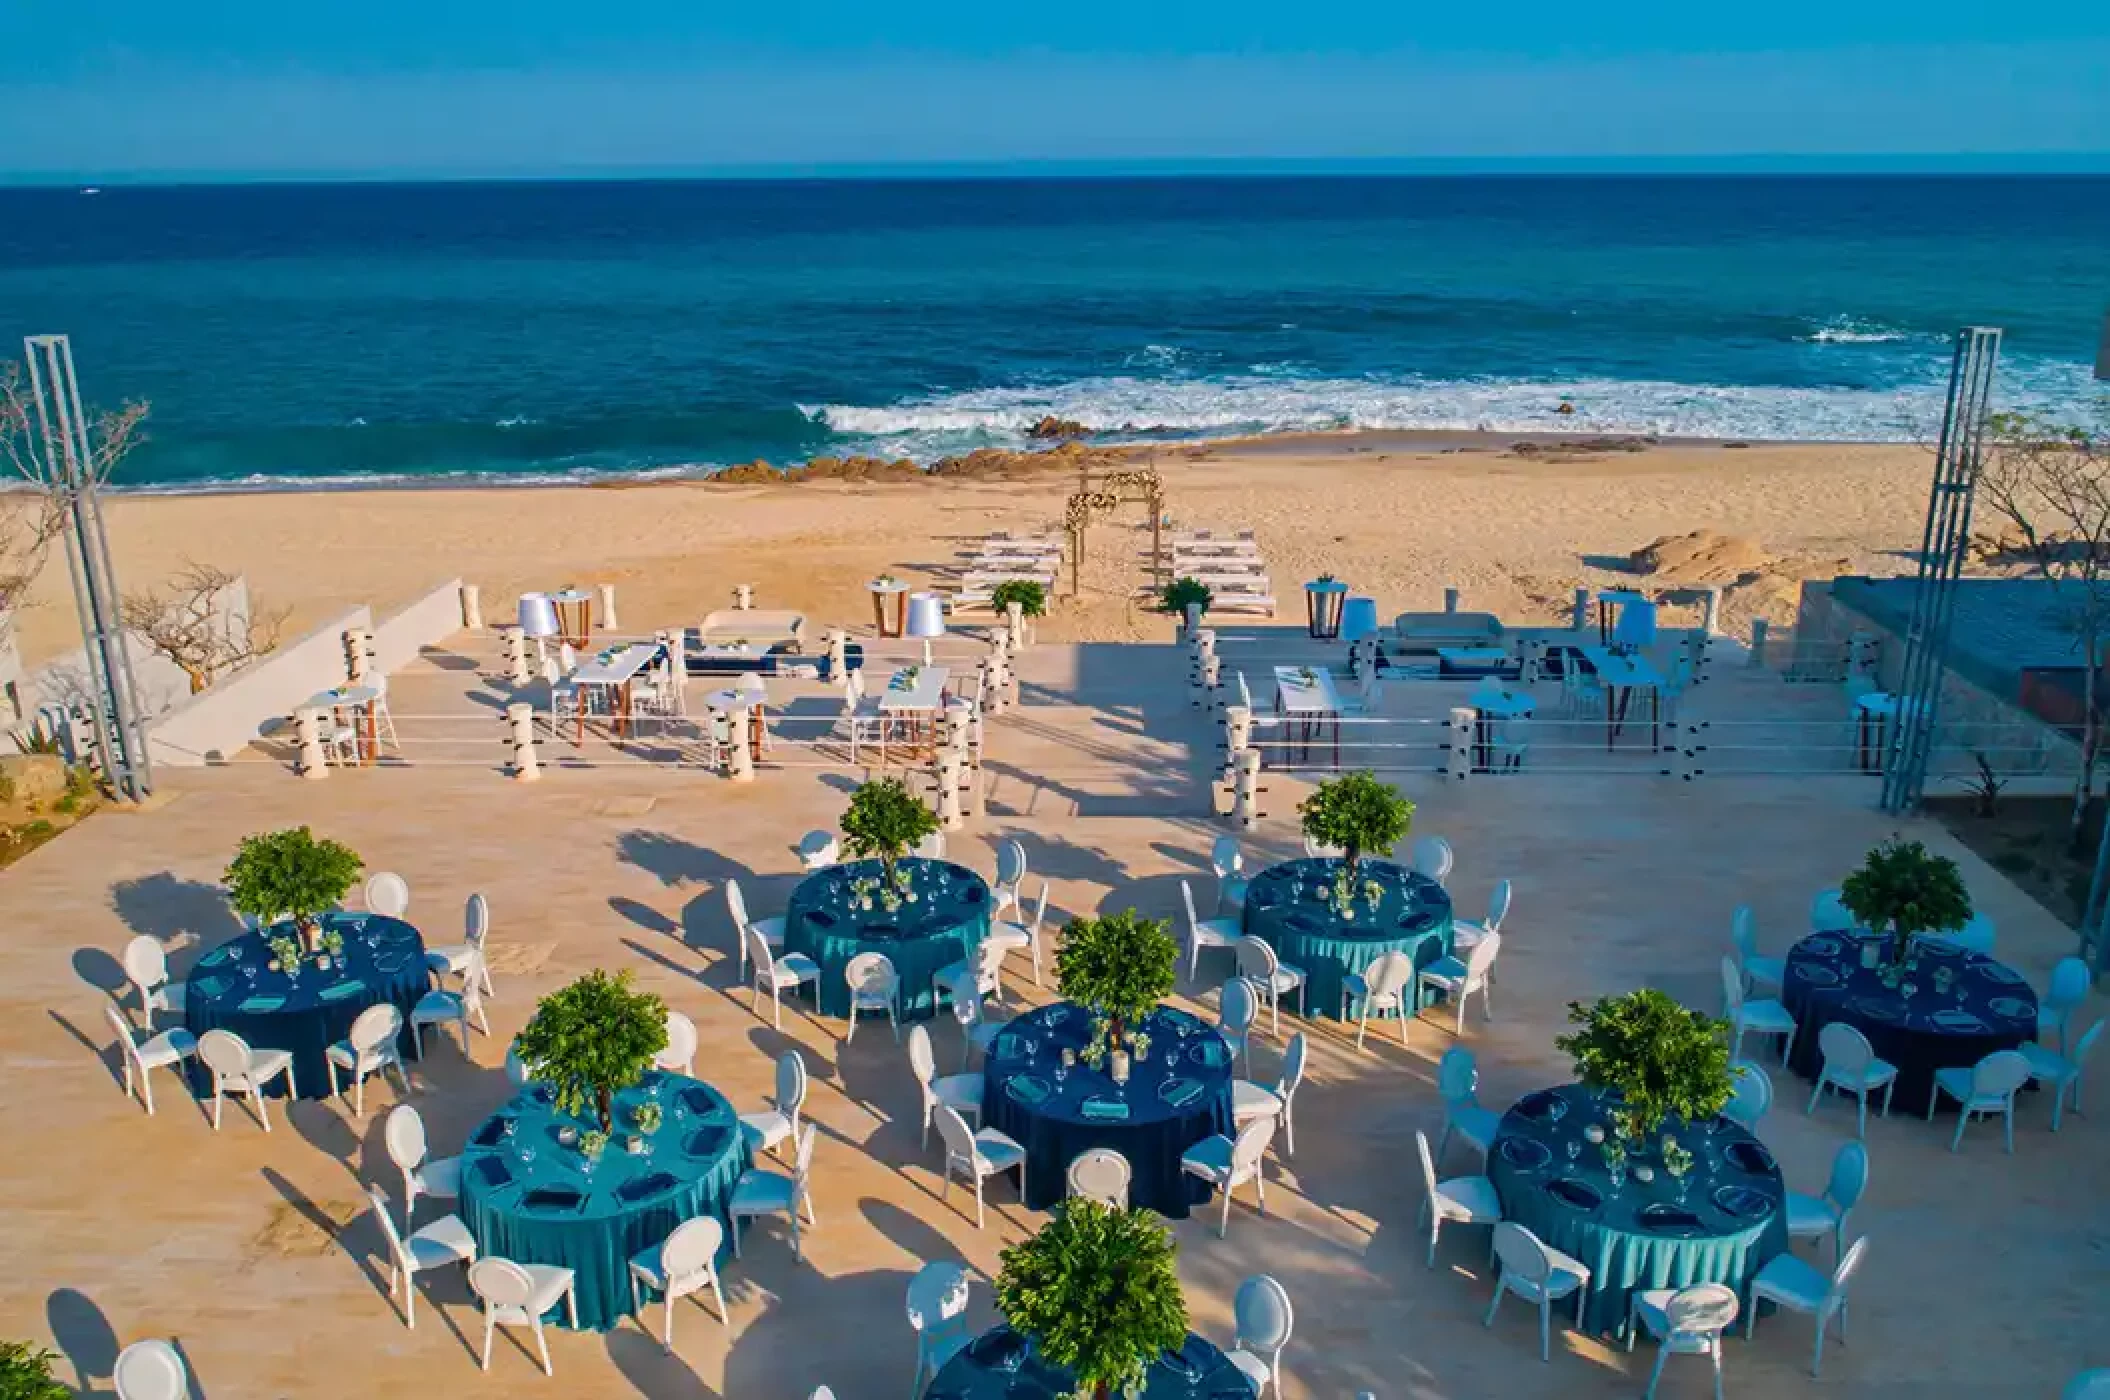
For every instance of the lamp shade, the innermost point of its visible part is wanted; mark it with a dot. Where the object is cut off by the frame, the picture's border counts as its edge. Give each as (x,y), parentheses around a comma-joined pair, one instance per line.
(538,615)
(926,615)
(1359,619)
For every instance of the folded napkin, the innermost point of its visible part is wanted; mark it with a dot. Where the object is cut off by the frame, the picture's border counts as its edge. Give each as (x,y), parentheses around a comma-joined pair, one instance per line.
(1106,1109)
(650,1184)
(820,918)
(210,986)
(338,991)
(1749,1156)
(493,1170)
(1179,1092)
(1212,1052)
(258,1005)
(1579,1194)
(553,1200)
(707,1142)
(1664,1218)
(1028,1089)
(699,1101)
(1742,1202)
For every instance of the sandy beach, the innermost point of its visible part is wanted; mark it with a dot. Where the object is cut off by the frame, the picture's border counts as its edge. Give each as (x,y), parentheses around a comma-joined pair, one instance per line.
(1398,518)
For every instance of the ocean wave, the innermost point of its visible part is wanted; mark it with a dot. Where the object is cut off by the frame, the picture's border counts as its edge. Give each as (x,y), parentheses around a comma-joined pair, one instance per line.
(1126,407)
(1853,330)
(517,420)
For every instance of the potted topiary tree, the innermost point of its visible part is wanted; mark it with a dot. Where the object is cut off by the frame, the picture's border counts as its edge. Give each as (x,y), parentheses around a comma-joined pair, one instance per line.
(1187,598)
(1097,1294)
(1119,966)
(1660,1058)
(25,1374)
(1031,597)
(592,1038)
(885,821)
(1903,889)
(290,874)
(1356,813)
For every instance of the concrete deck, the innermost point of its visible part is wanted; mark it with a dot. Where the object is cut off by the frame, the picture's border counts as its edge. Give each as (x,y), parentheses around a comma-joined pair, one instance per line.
(1984,1275)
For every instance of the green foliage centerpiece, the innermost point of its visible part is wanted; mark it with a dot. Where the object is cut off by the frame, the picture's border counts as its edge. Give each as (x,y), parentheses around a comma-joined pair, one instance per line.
(1176,596)
(1660,1058)
(25,1374)
(1030,595)
(885,821)
(1119,967)
(592,1038)
(1097,1294)
(1356,813)
(291,874)
(1903,889)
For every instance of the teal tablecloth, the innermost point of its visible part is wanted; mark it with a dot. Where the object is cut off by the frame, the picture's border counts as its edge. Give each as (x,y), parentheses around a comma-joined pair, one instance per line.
(1286,906)
(1177,1095)
(1002,1365)
(1733,1218)
(947,919)
(233,988)
(529,1198)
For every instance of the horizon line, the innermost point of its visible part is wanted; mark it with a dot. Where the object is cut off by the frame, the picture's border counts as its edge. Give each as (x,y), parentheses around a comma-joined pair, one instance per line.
(1757,164)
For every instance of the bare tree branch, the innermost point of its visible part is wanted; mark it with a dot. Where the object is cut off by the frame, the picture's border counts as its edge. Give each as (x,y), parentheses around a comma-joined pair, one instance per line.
(192,624)
(32,518)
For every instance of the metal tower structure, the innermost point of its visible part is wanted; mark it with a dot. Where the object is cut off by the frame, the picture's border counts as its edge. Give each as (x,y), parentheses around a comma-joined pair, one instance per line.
(1942,545)
(70,474)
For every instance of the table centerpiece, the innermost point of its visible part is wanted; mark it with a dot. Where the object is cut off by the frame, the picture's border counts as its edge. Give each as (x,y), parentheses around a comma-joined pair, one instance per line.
(590,1039)
(1096,1293)
(1355,813)
(885,821)
(1904,890)
(1649,1059)
(1119,967)
(292,875)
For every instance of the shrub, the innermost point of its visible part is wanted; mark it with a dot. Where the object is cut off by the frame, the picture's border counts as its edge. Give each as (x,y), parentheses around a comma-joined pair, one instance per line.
(592,1038)
(290,875)
(1661,1057)
(1031,597)
(1357,813)
(25,1374)
(1097,1292)
(1177,594)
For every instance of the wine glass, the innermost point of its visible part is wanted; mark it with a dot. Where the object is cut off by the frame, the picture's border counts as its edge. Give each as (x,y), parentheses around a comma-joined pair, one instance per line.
(1574,1148)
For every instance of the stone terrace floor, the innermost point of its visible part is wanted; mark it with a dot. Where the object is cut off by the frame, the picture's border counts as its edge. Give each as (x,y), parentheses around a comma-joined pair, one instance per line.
(1984,1277)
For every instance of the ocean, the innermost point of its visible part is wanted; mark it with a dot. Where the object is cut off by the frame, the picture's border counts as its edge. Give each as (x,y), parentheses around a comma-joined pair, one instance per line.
(530,331)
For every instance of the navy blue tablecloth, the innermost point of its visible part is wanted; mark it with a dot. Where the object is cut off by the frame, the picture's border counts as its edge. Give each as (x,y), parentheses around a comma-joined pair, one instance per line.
(233,988)
(1179,1094)
(1002,1365)
(947,919)
(1964,1006)
(1731,1220)
(1288,905)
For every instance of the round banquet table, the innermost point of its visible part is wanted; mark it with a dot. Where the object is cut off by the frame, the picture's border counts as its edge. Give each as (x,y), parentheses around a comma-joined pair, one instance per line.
(1283,906)
(528,1197)
(948,918)
(1964,1006)
(1002,1365)
(232,988)
(1732,1220)
(1175,1097)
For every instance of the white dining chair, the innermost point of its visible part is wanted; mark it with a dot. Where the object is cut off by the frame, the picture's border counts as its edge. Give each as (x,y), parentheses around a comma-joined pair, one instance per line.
(960,1092)
(1250,1100)
(368,1048)
(684,1263)
(516,1068)
(766,1129)
(2061,1074)
(1765,1017)
(1814,1217)
(1788,1282)
(442,1006)
(937,1310)
(1010,874)
(1228,1163)
(1237,1008)
(678,1055)
(1315,849)
(817,850)
(1274,978)
(760,1192)
(1265,1319)
(1205,933)
(387,894)
(1759,972)
(1467,933)
(978,975)
(2068,988)
(169,1048)
(2088,1385)
(1851,1066)
(978,1031)
(435,1246)
(1829,914)
(1467,1200)
(1750,1095)
(1458,978)
(403,1135)
(1987,1087)
(976,1155)
(745,929)
(1381,987)
(472,953)
(874,986)
(1100,1174)
(1009,936)
(1458,1081)
(774,973)
(517,1295)
(237,1068)
(146,968)
(149,1370)
(1228,861)
(1539,1274)
(931,847)
(1685,1322)
(1434,858)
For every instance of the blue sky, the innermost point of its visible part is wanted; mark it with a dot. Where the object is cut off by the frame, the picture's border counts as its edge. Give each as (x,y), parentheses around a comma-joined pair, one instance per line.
(389,87)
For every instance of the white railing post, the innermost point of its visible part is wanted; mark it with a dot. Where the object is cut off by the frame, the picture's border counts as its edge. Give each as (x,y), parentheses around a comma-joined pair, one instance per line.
(514,643)
(1190,621)
(1451,598)
(744,596)
(1711,611)
(472,607)
(1531,662)
(314,762)
(522,720)
(838,656)
(1015,619)
(946,768)
(358,654)
(739,759)
(1459,762)
(1757,659)
(608,622)
(1247,809)
(1581,618)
